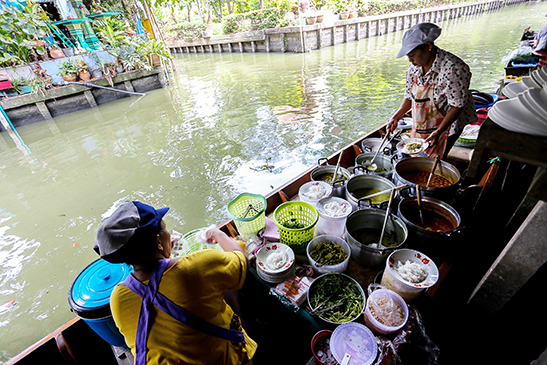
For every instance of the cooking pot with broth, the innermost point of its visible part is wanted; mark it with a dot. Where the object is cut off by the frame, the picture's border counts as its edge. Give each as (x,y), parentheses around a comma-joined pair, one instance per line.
(414,171)
(434,233)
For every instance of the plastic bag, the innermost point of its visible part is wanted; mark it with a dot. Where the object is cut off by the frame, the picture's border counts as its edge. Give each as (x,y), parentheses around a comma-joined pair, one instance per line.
(521,54)
(418,347)
(383,308)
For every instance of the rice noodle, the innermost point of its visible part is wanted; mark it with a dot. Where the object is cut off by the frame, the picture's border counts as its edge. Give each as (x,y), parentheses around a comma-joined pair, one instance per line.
(316,192)
(334,209)
(413,272)
(276,260)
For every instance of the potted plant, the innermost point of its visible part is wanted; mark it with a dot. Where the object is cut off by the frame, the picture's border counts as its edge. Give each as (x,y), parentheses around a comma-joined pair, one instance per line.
(83,70)
(68,70)
(55,52)
(155,51)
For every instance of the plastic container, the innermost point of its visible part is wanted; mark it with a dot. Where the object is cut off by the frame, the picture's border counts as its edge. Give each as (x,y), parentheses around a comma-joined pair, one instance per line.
(89,298)
(328,225)
(356,340)
(406,289)
(305,189)
(189,243)
(371,321)
(324,269)
(301,212)
(255,220)
(319,346)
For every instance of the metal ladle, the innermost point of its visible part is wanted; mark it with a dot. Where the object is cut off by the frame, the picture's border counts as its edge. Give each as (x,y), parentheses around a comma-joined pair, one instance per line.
(386,217)
(372,166)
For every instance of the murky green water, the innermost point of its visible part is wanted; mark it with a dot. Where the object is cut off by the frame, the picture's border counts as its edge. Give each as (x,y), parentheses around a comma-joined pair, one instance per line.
(197,144)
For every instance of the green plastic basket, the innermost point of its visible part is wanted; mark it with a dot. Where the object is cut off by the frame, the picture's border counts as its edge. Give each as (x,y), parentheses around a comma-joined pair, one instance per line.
(302,212)
(255,220)
(188,244)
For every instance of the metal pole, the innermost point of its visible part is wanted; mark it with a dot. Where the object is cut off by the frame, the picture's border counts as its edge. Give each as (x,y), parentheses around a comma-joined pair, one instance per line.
(100,87)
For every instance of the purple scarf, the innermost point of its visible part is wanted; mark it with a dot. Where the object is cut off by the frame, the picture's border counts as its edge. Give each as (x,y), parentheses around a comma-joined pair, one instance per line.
(151,296)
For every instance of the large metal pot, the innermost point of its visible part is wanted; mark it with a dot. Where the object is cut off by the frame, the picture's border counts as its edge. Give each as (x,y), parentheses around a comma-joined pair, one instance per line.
(405,173)
(357,185)
(373,219)
(384,164)
(372,144)
(321,173)
(441,223)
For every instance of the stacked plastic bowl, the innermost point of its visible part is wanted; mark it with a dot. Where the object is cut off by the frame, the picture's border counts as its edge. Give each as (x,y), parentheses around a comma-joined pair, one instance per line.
(526,109)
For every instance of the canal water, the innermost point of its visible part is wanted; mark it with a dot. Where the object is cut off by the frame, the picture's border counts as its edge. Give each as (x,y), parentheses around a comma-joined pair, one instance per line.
(228,123)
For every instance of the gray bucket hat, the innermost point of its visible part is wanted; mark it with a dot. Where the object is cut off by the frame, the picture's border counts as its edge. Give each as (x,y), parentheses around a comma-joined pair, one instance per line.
(133,226)
(418,35)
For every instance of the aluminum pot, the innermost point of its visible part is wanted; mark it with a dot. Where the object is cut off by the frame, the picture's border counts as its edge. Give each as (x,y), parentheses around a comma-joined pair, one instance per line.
(383,162)
(338,187)
(411,165)
(372,144)
(373,218)
(441,225)
(355,185)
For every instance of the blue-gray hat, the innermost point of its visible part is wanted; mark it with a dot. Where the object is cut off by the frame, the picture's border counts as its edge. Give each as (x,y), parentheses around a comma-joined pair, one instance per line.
(418,35)
(132,226)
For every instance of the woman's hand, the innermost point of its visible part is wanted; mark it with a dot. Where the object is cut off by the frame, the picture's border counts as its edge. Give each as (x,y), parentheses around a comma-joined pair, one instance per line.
(215,235)
(392,125)
(433,138)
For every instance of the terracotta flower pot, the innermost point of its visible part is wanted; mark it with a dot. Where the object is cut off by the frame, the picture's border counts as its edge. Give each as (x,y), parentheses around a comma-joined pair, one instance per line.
(311,20)
(344,16)
(320,18)
(84,75)
(56,53)
(70,77)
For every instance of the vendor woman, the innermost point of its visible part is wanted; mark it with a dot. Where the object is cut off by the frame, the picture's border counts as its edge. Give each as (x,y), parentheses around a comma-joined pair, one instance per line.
(172,311)
(437,91)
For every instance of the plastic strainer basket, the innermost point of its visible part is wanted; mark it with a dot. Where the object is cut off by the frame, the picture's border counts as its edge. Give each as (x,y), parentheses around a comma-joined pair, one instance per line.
(188,244)
(256,215)
(301,212)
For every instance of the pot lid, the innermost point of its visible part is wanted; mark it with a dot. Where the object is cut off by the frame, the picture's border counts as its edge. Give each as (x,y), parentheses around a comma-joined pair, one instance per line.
(92,288)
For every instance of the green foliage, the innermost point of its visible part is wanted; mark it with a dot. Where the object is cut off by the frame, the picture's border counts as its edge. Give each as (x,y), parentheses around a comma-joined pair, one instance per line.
(188,30)
(20,32)
(67,67)
(255,20)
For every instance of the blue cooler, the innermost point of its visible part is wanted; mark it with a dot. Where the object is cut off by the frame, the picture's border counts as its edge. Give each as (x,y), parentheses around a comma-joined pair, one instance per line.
(89,298)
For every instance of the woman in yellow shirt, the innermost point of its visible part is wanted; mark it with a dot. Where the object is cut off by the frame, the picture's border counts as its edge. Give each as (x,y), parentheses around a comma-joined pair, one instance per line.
(191,289)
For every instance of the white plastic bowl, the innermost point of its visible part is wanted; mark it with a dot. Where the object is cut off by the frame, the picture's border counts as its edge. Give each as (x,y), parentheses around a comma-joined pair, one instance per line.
(324,269)
(376,326)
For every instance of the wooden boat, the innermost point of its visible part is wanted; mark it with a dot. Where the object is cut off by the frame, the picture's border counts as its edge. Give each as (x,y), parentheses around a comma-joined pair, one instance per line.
(274,326)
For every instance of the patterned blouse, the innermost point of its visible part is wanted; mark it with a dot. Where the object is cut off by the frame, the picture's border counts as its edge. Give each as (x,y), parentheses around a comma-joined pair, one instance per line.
(451,88)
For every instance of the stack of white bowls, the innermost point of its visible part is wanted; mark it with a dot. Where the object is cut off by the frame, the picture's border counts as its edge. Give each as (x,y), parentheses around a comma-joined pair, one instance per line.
(275,271)
(526,109)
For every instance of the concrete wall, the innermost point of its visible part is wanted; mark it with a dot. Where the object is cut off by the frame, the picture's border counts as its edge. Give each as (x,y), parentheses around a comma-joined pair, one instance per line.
(304,38)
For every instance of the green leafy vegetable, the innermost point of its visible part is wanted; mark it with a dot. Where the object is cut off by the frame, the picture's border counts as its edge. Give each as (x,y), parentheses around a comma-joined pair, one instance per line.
(328,253)
(336,289)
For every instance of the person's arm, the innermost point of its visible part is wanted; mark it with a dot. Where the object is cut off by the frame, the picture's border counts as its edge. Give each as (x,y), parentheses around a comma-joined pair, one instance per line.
(228,244)
(405,106)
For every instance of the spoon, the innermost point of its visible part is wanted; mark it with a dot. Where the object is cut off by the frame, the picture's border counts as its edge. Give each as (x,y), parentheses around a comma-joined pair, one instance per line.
(337,167)
(386,217)
(419,198)
(432,170)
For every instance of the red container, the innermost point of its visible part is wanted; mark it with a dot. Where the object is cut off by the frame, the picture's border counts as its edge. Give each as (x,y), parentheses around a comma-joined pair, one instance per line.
(315,346)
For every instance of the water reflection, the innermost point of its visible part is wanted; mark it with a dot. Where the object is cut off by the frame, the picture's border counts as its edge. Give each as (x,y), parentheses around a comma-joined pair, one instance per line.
(228,123)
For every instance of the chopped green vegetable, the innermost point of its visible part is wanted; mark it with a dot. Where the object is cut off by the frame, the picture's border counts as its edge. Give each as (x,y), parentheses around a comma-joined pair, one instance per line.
(293,223)
(335,289)
(328,253)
